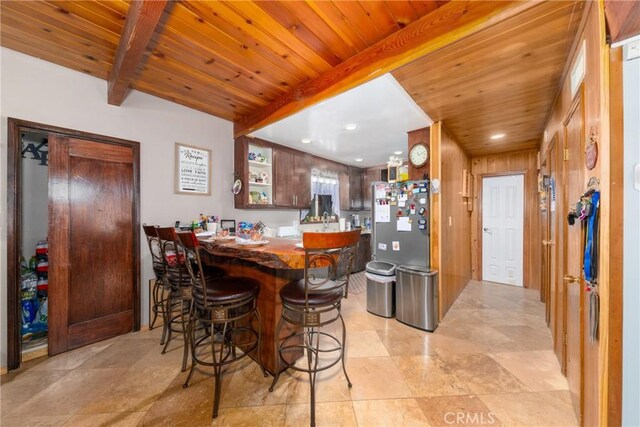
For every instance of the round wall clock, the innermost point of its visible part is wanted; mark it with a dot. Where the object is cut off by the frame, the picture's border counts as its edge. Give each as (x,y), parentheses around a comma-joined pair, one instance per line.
(419,155)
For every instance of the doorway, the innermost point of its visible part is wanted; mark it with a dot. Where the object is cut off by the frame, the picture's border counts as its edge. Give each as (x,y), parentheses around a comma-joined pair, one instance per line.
(502,226)
(34,298)
(86,268)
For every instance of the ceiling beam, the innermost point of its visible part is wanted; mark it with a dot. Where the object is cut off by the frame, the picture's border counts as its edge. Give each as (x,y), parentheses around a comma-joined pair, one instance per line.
(447,24)
(623,19)
(139,25)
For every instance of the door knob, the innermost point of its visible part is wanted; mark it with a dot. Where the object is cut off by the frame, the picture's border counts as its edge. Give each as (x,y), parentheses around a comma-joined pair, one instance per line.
(486,230)
(570,278)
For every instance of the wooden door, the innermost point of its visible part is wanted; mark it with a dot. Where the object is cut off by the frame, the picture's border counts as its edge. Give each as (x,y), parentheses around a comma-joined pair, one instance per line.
(93,243)
(284,186)
(572,254)
(503,229)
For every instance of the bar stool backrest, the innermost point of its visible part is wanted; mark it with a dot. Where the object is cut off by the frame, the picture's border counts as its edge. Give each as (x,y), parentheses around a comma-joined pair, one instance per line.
(154,248)
(173,257)
(328,260)
(191,247)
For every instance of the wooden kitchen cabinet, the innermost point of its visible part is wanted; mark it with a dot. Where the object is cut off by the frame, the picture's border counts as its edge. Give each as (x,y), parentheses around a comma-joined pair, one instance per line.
(363,256)
(256,174)
(302,180)
(292,179)
(369,176)
(355,188)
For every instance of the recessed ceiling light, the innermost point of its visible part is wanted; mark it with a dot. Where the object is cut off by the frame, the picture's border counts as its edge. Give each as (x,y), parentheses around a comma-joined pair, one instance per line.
(358,159)
(397,152)
(497,136)
(351,126)
(305,141)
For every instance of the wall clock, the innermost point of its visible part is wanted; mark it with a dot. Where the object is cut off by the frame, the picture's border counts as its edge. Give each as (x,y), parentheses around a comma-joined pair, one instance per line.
(419,155)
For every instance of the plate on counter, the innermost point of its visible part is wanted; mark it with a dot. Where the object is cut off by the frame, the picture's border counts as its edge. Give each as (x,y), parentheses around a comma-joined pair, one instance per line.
(244,242)
(206,234)
(223,238)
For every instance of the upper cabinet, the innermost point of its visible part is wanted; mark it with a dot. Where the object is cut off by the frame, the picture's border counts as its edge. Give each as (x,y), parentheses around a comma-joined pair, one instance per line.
(292,178)
(369,176)
(355,188)
(254,167)
(275,176)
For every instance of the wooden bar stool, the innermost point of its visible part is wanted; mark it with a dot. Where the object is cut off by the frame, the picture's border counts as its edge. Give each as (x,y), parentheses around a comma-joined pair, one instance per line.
(225,306)
(315,302)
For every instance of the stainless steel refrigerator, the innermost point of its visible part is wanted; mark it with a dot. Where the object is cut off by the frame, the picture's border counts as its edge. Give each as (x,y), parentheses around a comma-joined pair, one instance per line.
(400,222)
(400,234)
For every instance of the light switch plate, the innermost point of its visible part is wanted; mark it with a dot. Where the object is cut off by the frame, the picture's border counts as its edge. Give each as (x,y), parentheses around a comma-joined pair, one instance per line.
(636,178)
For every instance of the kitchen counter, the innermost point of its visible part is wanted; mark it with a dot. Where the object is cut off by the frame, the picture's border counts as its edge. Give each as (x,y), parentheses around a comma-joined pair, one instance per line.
(279,253)
(273,266)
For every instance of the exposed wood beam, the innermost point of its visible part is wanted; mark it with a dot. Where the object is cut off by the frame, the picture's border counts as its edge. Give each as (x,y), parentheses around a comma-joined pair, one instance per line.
(447,24)
(623,19)
(140,24)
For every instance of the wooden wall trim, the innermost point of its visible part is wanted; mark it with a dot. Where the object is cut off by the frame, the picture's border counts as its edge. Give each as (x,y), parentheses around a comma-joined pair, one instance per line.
(435,214)
(14,231)
(612,407)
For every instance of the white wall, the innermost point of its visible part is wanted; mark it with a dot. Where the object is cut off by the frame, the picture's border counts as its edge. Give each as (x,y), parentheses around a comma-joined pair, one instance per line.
(631,263)
(39,91)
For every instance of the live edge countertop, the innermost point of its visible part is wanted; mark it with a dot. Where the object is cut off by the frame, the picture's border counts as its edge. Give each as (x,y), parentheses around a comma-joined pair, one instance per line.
(279,253)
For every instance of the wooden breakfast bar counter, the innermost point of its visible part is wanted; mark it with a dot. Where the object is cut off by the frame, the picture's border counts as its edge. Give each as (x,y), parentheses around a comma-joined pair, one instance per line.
(274,265)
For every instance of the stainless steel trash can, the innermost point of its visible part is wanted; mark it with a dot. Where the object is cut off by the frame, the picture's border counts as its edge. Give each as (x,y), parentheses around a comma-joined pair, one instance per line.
(417,297)
(381,288)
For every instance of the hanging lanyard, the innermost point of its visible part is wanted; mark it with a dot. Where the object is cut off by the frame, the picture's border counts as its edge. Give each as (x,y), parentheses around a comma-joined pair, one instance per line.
(590,250)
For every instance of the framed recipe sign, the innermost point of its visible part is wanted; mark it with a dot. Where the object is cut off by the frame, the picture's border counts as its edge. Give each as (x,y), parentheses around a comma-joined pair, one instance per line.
(193,170)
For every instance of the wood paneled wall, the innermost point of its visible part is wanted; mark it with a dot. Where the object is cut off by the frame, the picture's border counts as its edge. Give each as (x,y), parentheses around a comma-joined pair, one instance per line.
(524,162)
(450,218)
(599,373)
(416,137)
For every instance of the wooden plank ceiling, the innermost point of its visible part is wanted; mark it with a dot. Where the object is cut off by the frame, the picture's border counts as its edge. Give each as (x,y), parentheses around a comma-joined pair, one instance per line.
(224,58)
(500,80)
(241,60)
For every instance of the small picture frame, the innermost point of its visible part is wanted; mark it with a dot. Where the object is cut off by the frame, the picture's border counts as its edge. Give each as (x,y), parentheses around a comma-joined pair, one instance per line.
(392,174)
(193,170)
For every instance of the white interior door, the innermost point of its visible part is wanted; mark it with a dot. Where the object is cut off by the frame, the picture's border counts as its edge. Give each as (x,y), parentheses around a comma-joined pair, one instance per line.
(502,226)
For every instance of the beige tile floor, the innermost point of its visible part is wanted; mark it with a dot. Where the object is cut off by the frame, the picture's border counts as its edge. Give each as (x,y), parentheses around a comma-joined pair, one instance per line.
(490,362)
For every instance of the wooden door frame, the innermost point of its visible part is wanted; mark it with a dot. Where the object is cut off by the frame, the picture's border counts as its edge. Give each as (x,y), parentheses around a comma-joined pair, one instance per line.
(525,205)
(544,160)
(14,227)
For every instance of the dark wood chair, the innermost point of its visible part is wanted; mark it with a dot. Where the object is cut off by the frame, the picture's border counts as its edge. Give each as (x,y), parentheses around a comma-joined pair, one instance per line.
(224,306)
(315,302)
(157,300)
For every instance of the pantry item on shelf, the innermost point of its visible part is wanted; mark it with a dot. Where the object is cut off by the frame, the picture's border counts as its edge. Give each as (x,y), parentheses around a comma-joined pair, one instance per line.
(252,156)
(254,197)
(263,177)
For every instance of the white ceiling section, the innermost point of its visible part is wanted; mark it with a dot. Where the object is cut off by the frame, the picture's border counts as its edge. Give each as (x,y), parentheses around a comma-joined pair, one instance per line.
(381,108)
